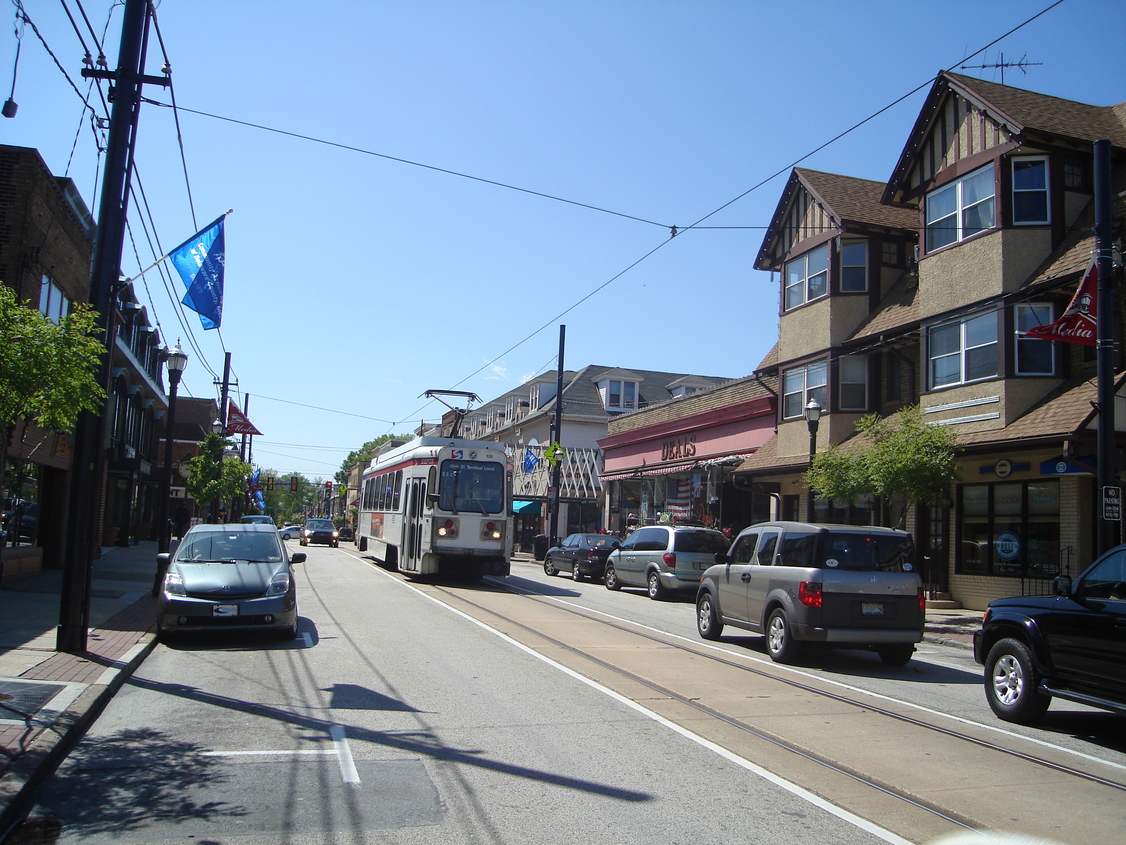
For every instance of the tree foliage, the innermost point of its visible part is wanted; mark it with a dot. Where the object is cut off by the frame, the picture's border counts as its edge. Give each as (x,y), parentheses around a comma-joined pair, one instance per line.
(364,453)
(900,459)
(213,476)
(48,370)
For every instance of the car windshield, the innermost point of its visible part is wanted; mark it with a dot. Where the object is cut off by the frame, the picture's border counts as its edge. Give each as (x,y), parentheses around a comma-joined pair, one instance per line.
(701,542)
(222,547)
(320,525)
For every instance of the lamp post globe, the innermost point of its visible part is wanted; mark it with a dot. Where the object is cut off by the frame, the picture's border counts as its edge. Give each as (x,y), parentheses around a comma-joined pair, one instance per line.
(175,361)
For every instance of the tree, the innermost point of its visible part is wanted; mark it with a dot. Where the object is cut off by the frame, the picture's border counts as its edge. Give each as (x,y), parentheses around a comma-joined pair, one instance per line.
(48,370)
(213,476)
(900,459)
(363,454)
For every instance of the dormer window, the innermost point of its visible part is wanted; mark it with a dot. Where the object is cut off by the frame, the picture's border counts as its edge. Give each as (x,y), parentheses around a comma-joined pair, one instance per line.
(621,395)
(1030,191)
(854,266)
(807,277)
(960,209)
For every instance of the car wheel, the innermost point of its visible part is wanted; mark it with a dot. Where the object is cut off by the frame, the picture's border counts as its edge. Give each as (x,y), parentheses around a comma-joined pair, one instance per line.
(611,580)
(780,644)
(896,655)
(289,633)
(575,574)
(1012,683)
(657,590)
(549,567)
(336,544)
(707,620)
(304,542)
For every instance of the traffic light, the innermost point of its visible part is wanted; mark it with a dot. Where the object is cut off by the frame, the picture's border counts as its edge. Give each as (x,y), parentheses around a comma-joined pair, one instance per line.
(269,482)
(293,483)
(328,486)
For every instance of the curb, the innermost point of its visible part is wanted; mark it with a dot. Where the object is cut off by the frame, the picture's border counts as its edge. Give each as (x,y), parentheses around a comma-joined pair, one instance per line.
(28,770)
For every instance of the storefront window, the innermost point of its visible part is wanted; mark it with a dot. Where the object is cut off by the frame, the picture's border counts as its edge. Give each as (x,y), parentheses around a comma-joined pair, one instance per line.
(19,517)
(1010,529)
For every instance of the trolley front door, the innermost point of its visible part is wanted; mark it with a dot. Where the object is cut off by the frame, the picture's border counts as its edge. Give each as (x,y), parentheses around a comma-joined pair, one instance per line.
(413,551)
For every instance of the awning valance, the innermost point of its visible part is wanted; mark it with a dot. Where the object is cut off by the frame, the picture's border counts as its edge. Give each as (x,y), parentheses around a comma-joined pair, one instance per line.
(525,507)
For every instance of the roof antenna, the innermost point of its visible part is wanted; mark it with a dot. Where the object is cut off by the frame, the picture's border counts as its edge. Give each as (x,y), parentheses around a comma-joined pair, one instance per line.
(1002,64)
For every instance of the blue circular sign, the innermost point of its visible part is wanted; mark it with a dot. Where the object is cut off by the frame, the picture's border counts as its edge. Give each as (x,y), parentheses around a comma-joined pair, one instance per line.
(1007,545)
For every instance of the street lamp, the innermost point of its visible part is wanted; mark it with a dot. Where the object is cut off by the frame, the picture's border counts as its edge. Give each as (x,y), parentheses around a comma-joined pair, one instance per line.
(175,360)
(812,415)
(217,427)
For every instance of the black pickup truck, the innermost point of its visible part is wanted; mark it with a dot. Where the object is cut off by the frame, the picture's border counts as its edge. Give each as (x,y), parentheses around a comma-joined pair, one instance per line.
(1071,645)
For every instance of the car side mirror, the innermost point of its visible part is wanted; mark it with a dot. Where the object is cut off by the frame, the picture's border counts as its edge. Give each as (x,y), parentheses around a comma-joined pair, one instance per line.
(615,545)
(722,557)
(297,557)
(1061,585)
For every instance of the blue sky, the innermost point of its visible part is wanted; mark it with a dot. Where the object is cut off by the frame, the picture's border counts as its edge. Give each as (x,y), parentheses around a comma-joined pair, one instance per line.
(356,282)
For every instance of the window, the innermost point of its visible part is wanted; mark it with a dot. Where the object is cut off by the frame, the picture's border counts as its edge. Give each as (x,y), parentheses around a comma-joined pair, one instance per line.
(1010,529)
(1034,357)
(891,254)
(1030,191)
(962,351)
(854,383)
(854,266)
(807,277)
(801,384)
(1074,175)
(960,209)
(621,395)
(52,301)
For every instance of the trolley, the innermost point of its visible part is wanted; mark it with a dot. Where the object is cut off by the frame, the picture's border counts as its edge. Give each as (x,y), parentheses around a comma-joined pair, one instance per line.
(439,506)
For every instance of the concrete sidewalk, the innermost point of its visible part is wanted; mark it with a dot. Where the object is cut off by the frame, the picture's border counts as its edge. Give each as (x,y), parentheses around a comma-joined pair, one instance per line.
(48,698)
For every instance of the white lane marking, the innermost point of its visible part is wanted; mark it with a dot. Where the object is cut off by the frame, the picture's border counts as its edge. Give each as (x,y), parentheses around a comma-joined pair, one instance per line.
(308,638)
(829,681)
(793,788)
(297,752)
(344,755)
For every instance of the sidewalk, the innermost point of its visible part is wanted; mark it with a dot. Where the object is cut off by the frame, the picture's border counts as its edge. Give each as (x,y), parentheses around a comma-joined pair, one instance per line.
(48,698)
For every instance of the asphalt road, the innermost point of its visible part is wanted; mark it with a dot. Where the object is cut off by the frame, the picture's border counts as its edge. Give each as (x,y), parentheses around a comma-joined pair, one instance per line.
(413,712)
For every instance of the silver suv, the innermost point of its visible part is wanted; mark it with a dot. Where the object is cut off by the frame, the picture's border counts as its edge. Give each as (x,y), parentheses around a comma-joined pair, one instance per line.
(842,585)
(664,558)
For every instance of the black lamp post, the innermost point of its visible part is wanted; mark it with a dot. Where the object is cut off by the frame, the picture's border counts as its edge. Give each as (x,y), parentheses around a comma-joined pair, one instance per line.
(175,360)
(812,418)
(217,427)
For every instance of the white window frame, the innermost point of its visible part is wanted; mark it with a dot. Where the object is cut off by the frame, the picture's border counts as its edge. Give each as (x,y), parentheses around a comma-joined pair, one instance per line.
(955,220)
(621,395)
(1028,315)
(53,303)
(1045,190)
(968,333)
(852,371)
(796,277)
(799,385)
(863,267)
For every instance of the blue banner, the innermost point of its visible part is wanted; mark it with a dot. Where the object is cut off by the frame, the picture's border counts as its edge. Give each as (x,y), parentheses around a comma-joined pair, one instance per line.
(530,461)
(200,262)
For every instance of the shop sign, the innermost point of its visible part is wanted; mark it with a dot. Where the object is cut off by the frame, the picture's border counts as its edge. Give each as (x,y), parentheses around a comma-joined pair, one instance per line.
(678,448)
(1007,545)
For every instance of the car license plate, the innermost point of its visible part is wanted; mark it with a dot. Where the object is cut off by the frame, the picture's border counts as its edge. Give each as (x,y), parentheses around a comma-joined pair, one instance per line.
(872,608)
(225,610)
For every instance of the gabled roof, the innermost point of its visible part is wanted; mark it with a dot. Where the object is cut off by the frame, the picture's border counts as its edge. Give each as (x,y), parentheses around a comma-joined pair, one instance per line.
(853,204)
(1019,113)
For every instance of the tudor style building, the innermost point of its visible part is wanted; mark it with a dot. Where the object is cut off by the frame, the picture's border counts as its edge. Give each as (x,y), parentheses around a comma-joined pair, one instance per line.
(981,233)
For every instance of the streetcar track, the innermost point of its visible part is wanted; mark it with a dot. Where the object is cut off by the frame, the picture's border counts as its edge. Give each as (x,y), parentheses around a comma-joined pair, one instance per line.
(631,629)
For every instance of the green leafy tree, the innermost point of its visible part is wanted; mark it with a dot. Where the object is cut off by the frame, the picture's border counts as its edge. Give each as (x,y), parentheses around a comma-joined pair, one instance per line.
(899,459)
(283,503)
(48,370)
(215,477)
(364,453)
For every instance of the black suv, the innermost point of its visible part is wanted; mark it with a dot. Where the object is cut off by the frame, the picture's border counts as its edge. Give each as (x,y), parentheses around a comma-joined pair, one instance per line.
(1071,645)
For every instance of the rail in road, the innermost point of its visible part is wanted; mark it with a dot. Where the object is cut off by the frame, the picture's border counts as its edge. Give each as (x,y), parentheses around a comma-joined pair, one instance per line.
(915,772)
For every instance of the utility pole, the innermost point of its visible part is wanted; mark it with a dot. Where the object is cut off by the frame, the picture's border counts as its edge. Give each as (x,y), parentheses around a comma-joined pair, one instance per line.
(556,468)
(222,432)
(87,472)
(1106,345)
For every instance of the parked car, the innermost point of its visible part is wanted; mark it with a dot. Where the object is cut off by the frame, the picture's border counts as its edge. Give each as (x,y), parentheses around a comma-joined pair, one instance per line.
(228,576)
(797,583)
(664,558)
(256,519)
(291,532)
(1071,645)
(320,531)
(346,533)
(583,555)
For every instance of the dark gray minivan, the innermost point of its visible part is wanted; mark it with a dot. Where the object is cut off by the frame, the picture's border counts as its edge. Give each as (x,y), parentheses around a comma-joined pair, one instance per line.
(842,585)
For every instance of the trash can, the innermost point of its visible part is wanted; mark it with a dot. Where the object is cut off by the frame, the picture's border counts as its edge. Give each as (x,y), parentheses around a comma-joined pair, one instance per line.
(539,546)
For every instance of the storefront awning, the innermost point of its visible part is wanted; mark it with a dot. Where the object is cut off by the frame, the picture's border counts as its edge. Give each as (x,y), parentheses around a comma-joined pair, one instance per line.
(643,471)
(525,507)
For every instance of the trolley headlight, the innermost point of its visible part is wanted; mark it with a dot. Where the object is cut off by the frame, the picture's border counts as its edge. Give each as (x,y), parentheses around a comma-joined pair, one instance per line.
(447,528)
(492,531)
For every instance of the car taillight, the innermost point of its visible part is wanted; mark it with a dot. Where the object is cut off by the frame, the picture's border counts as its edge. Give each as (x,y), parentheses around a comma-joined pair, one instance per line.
(492,531)
(592,556)
(670,559)
(922,601)
(809,593)
(447,528)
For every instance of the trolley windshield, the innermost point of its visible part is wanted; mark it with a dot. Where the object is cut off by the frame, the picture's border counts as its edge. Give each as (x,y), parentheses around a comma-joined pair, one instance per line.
(474,486)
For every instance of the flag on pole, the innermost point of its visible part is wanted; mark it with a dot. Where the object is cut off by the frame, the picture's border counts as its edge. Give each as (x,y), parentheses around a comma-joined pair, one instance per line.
(1079,322)
(238,422)
(200,261)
